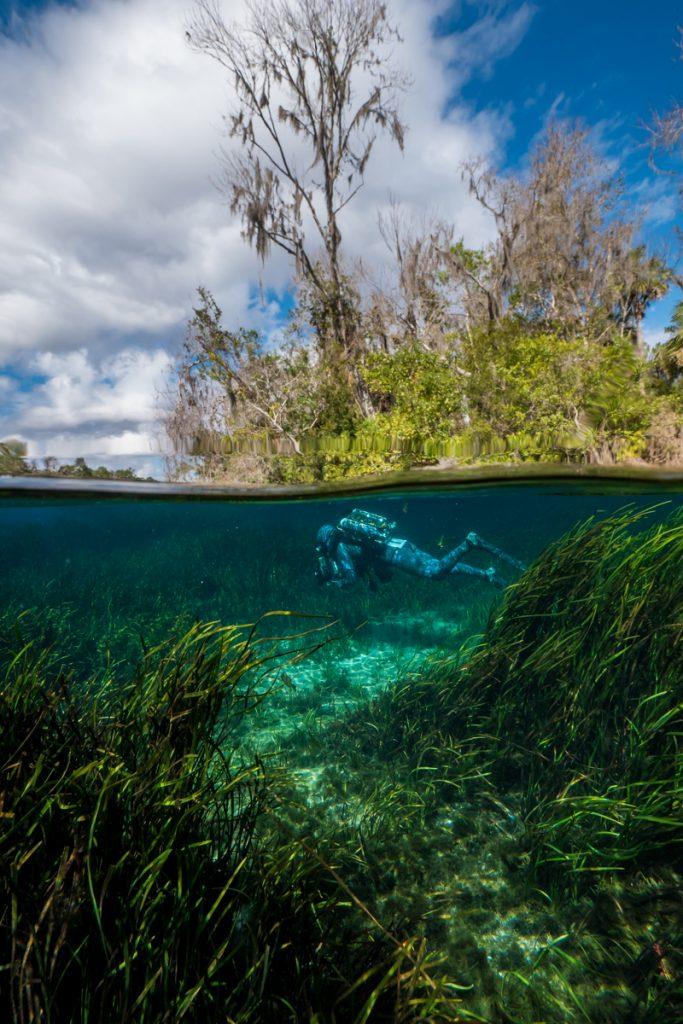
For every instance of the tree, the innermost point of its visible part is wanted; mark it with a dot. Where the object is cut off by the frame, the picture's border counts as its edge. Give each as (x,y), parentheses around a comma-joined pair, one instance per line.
(554,396)
(667,358)
(642,279)
(297,67)
(666,131)
(414,307)
(416,391)
(230,388)
(564,255)
(13,457)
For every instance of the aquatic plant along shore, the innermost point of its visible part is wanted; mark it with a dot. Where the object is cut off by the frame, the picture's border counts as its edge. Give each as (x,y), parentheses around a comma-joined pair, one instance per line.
(413,801)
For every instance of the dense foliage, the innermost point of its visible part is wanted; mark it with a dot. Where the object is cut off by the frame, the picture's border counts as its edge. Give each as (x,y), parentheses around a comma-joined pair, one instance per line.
(528,349)
(503,392)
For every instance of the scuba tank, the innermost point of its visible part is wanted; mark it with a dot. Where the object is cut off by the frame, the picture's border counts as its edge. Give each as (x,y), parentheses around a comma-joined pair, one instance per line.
(363,527)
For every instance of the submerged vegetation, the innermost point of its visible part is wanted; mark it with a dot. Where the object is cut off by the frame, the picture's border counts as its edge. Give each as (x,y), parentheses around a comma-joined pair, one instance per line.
(141,876)
(497,837)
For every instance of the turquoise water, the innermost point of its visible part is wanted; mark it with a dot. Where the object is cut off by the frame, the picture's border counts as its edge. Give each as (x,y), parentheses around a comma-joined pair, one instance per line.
(109,576)
(437,836)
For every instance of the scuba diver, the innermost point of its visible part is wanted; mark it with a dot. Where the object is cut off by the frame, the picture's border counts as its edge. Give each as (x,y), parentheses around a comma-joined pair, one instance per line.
(364,545)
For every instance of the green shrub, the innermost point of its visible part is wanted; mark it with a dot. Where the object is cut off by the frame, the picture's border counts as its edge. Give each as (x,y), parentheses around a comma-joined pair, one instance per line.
(418,392)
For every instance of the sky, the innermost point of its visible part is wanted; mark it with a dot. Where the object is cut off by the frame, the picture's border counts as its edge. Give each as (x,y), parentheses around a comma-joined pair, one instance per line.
(110,134)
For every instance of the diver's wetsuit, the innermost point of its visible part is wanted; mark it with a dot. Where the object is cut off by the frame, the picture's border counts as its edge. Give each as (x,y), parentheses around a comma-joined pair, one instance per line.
(342,561)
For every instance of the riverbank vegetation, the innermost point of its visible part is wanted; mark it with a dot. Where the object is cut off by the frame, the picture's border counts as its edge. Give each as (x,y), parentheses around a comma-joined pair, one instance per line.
(497,838)
(528,348)
(14,462)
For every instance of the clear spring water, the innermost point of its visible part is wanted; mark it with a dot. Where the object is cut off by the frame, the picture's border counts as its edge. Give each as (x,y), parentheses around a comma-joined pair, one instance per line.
(108,574)
(101,577)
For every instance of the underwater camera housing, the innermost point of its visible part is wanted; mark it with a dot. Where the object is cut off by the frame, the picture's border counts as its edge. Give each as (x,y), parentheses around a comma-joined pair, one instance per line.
(367,527)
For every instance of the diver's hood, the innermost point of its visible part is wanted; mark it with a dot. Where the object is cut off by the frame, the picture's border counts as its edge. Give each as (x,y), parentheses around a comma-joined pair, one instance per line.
(326,539)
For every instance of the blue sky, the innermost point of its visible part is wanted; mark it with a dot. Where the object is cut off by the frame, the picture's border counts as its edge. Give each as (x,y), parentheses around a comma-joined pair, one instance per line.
(109,132)
(597,59)
(612,65)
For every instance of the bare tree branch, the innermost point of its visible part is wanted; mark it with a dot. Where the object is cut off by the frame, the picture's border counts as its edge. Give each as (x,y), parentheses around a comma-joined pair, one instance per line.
(316,70)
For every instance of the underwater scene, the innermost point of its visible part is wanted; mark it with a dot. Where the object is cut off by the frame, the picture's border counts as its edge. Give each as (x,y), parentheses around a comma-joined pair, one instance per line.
(407,755)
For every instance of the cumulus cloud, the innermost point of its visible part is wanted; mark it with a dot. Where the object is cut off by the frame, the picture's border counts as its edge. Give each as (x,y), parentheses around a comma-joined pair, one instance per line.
(110,131)
(75,391)
(80,405)
(108,124)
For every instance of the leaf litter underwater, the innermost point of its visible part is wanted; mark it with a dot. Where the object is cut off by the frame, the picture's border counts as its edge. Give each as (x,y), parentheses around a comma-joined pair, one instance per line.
(413,800)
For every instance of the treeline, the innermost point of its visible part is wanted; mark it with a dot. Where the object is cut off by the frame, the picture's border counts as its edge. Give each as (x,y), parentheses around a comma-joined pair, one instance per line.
(14,462)
(529,348)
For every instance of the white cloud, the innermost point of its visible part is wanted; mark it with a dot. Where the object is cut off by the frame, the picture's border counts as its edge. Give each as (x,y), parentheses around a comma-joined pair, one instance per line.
(107,126)
(75,391)
(494,35)
(109,133)
(653,336)
(85,406)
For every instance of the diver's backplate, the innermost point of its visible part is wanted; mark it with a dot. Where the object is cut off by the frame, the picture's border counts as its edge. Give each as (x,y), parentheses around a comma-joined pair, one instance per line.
(363,527)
